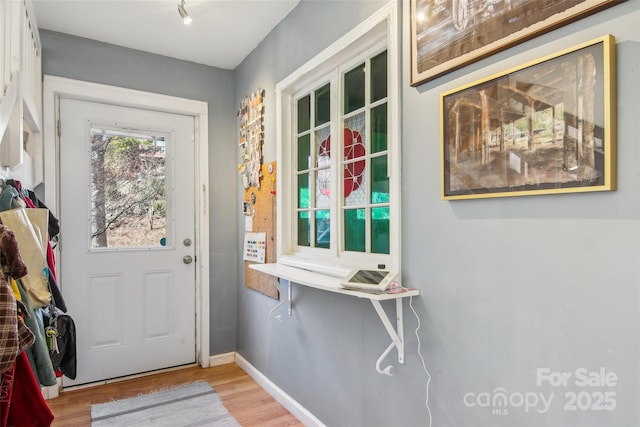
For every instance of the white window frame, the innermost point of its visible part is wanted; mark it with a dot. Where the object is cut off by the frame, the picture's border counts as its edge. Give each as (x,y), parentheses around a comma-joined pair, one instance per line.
(328,66)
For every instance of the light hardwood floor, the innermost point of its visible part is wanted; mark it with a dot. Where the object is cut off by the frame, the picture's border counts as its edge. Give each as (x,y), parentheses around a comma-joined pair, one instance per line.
(250,404)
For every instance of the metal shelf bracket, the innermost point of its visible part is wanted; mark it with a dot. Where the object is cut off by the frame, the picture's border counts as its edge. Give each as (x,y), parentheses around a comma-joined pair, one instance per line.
(397,335)
(285,300)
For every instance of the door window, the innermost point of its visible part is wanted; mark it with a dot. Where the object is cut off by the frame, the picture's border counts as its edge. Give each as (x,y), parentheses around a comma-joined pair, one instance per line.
(128,189)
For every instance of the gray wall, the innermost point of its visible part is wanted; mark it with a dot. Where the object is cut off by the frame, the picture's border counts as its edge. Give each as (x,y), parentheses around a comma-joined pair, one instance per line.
(508,286)
(88,60)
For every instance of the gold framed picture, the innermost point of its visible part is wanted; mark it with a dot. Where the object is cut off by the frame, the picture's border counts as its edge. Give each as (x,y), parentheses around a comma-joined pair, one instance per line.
(449,34)
(545,127)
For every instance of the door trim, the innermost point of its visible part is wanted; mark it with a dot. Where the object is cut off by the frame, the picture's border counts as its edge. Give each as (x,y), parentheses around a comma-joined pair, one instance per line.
(55,88)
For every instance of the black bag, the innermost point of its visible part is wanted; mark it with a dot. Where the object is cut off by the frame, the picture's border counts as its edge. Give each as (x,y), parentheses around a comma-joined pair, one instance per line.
(61,340)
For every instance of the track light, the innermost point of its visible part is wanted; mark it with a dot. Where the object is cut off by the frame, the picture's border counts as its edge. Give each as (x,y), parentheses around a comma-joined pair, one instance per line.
(183,12)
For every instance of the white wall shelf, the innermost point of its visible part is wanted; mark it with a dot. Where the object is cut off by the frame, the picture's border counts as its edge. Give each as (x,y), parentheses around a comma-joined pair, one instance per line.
(332,284)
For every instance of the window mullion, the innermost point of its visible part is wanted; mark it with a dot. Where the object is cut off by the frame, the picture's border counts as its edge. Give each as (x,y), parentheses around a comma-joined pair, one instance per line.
(368,169)
(312,171)
(336,188)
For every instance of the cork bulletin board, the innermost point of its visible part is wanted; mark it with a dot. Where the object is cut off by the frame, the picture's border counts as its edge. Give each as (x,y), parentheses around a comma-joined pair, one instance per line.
(259,207)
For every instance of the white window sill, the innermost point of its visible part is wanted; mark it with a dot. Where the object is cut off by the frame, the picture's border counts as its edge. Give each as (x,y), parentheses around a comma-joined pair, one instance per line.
(325,282)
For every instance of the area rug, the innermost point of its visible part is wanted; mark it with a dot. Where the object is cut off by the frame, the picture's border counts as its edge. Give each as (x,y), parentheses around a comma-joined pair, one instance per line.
(189,405)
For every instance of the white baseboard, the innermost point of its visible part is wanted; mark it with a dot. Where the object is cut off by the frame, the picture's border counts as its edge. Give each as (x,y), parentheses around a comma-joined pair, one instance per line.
(302,414)
(222,359)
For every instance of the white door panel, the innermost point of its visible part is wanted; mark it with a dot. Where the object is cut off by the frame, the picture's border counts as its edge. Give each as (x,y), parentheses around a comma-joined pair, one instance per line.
(133,304)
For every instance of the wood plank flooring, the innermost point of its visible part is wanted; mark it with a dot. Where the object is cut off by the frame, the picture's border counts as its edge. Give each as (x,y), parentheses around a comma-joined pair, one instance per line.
(250,404)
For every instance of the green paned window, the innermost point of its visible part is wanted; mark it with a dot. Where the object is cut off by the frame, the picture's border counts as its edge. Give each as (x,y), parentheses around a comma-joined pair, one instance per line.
(379,180)
(380,230)
(379,77)
(303,190)
(354,225)
(323,228)
(304,113)
(323,105)
(303,229)
(304,151)
(339,149)
(379,128)
(354,85)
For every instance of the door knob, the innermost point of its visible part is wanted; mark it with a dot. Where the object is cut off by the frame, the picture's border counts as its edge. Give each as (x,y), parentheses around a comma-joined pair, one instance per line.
(187,259)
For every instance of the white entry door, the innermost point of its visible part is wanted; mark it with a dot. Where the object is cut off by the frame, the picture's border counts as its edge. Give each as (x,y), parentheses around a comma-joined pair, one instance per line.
(127,258)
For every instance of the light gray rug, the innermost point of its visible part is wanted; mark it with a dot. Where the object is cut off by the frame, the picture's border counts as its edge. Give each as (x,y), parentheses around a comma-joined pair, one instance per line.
(190,405)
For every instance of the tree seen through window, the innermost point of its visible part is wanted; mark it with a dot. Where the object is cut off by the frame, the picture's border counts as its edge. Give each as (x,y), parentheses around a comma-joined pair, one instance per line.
(128,191)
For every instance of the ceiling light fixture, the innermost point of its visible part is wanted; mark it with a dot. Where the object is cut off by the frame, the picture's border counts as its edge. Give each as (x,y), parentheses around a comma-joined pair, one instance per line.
(186,19)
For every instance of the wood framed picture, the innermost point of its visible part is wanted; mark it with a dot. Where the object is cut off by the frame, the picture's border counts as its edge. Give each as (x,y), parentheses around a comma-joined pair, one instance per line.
(544,127)
(449,34)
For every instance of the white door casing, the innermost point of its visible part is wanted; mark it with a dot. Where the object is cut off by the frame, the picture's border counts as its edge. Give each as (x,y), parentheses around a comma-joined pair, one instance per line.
(143,316)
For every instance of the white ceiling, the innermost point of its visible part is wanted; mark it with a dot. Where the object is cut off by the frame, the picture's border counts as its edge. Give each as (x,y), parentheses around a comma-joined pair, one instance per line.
(222,34)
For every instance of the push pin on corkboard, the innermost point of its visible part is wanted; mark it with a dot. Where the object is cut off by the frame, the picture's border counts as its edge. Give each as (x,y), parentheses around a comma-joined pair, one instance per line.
(272,191)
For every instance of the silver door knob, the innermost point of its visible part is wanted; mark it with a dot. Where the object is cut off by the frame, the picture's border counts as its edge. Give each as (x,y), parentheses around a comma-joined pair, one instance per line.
(187,259)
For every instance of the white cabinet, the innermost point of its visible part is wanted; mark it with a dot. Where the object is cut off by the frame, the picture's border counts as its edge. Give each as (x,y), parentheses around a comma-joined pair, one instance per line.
(20,94)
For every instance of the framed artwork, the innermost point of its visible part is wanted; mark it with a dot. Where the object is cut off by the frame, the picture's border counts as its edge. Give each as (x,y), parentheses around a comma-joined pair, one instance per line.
(448,34)
(545,127)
